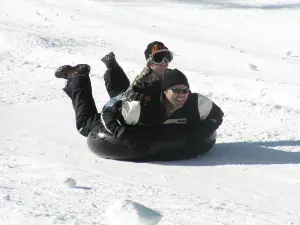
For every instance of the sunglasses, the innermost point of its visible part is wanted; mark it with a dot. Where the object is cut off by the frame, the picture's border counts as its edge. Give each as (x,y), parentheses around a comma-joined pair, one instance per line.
(162,56)
(180,91)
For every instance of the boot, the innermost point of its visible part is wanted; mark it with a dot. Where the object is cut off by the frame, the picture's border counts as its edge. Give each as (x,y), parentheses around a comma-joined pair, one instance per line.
(110,61)
(67,71)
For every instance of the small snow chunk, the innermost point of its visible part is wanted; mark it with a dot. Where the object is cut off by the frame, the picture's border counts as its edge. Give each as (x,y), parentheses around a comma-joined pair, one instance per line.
(253,67)
(289,53)
(129,212)
(69,182)
(277,107)
(6,197)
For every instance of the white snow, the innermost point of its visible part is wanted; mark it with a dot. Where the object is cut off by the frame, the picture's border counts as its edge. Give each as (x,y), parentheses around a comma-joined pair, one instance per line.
(244,55)
(129,212)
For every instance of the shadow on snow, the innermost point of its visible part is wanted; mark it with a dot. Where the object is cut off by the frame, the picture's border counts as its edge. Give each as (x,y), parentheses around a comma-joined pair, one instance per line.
(244,153)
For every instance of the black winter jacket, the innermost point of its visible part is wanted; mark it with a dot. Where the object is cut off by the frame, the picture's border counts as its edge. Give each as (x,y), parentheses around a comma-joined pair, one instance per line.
(145,80)
(146,108)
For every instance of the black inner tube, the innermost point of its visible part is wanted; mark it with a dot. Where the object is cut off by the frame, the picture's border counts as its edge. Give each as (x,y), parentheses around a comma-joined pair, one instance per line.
(168,142)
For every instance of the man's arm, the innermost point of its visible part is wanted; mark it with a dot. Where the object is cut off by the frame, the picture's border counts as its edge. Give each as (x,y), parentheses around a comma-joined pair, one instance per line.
(210,113)
(111,118)
(119,113)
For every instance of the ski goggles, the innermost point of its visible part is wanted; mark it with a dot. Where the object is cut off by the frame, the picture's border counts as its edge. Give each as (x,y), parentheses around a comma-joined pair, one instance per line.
(180,91)
(161,56)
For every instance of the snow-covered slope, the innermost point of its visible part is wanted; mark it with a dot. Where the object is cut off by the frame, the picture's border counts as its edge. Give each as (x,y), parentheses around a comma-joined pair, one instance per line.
(242,54)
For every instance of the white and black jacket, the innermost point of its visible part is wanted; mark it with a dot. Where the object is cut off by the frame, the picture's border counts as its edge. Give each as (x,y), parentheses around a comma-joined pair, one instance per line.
(147,109)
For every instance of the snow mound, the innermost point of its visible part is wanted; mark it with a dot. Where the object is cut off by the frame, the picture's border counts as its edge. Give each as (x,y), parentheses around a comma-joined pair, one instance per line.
(69,182)
(133,213)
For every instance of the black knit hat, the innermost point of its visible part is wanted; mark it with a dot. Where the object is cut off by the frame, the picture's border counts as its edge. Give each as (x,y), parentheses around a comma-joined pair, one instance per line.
(153,47)
(174,77)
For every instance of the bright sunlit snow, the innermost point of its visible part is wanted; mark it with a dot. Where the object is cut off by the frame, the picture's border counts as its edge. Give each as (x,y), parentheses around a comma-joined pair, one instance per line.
(243,54)
(129,212)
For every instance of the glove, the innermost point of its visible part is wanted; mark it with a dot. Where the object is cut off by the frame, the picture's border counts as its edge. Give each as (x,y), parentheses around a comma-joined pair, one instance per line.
(209,126)
(120,131)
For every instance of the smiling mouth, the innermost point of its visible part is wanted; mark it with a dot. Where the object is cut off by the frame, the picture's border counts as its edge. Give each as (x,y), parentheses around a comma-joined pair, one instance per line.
(179,99)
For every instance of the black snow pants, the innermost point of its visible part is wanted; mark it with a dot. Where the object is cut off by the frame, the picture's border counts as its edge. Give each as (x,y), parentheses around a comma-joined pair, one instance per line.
(79,89)
(116,81)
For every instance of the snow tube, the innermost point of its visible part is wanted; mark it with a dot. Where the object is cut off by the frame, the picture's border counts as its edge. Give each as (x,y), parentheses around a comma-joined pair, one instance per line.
(170,142)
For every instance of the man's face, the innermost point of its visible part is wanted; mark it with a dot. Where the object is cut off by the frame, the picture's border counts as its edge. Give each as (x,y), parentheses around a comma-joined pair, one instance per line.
(159,69)
(177,95)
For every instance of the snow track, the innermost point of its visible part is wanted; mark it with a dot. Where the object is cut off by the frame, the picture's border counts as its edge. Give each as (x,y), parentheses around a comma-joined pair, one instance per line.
(23,40)
(27,41)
